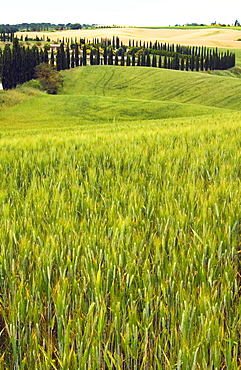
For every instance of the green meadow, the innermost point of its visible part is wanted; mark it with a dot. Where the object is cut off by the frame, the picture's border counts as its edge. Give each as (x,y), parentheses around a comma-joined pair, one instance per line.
(121,222)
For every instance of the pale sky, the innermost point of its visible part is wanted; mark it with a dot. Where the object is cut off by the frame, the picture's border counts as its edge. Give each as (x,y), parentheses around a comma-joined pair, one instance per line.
(122,12)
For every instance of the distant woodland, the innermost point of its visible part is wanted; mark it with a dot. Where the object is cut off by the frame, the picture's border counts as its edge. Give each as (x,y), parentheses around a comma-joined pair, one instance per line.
(31,27)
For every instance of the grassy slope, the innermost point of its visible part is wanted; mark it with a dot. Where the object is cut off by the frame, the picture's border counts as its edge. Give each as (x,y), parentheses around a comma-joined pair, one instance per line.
(102,95)
(155,84)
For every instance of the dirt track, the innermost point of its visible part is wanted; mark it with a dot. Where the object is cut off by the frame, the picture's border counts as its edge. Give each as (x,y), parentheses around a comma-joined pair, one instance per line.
(226,38)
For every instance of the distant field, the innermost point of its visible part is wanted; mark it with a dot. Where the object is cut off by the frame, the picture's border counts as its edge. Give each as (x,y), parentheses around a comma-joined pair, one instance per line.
(120,222)
(225,38)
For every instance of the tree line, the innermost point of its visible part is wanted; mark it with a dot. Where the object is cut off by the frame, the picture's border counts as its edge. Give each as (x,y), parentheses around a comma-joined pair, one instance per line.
(17,63)
(40,27)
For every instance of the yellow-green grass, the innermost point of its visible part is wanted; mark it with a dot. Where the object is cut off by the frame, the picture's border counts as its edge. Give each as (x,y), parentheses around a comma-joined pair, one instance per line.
(155,84)
(119,237)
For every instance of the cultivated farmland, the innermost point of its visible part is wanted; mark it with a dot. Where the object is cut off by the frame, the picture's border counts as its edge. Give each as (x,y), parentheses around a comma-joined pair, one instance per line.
(120,228)
(213,37)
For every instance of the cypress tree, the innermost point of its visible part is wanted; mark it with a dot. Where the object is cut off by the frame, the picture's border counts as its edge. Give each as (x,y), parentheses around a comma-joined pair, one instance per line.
(98,56)
(76,54)
(122,58)
(201,63)
(105,56)
(143,60)
(133,60)
(63,62)
(165,62)
(1,62)
(116,59)
(46,54)
(187,63)
(110,58)
(52,58)
(84,56)
(58,60)
(206,63)
(182,64)
(24,68)
(192,62)
(197,63)
(128,60)
(72,59)
(160,62)
(91,57)
(67,57)
(16,63)
(148,60)
(176,62)
(153,62)
(117,42)
(7,76)
(41,55)
(138,60)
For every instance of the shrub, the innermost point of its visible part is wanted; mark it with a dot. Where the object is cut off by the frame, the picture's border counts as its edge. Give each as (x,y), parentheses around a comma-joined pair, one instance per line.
(49,78)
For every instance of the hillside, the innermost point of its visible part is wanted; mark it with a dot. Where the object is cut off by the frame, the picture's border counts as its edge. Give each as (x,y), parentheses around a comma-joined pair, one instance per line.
(120,222)
(155,84)
(222,38)
(108,94)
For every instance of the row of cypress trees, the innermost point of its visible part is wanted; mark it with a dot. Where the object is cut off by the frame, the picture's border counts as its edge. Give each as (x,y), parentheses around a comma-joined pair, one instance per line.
(17,64)
(6,36)
(210,60)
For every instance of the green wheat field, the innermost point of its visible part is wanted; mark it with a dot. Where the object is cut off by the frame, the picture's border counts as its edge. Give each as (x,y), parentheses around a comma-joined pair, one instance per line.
(120,221)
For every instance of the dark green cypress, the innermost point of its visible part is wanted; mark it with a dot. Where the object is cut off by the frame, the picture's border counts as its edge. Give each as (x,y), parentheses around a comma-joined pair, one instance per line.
(110,57)
(128,60)
(1,62)
(76,54)
(41,55)
(187,63)
(72,59)
(7,75)
(153,64)
(176,62)
(138,60)
(197,64)
(122,58)
(182,64)
(91,57)
(58,60)
(46,54)
(116,59)
(117,42)
(133,60)
(165,62)
(201,62)
(84,56)
(148,60)
(98,56)
(67,57)
(143,60)
(105,56)
(206,63)
(192,62)
(52,58)
(16,62)
(160,62)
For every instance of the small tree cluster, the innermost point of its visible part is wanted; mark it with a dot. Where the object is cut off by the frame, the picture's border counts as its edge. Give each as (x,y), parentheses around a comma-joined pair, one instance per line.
(49,78)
